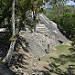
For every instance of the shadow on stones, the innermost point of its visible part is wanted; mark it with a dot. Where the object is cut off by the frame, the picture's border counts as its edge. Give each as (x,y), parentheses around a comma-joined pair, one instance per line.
(17,58)
(18,61)
(22,41)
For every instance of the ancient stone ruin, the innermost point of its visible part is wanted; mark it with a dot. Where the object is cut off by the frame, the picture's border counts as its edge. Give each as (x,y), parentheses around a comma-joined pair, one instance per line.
(47,36)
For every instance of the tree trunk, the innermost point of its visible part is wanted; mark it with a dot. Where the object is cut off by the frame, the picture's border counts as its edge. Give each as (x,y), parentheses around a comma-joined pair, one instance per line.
(13,16)
(8,57)
(34,18)
(18,18)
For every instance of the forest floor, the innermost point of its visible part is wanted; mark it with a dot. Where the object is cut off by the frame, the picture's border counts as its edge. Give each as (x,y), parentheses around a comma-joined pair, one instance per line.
(60,61)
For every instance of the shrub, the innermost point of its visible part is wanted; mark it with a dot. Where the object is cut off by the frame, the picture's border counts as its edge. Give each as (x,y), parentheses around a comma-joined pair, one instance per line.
(67,24)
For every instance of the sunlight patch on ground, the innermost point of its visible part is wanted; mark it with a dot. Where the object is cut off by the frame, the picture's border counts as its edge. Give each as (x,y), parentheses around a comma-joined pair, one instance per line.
(60,61)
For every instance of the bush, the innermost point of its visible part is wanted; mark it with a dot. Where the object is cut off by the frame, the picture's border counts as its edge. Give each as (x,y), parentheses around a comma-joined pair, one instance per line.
(67,24)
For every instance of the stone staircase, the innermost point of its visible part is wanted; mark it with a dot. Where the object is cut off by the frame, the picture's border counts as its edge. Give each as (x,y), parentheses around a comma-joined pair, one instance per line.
(41,28)
(53,30)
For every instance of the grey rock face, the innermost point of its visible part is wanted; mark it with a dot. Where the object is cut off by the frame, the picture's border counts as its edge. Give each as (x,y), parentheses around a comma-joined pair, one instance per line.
(47,35)
(53,30)
(33,46)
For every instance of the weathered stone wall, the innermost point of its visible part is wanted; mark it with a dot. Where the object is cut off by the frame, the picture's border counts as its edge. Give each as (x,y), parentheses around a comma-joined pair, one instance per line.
(53,30)
(47,36)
